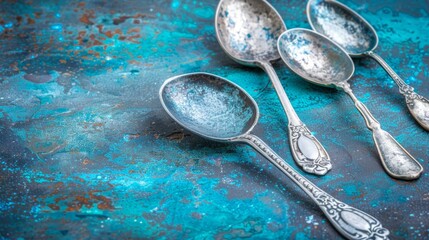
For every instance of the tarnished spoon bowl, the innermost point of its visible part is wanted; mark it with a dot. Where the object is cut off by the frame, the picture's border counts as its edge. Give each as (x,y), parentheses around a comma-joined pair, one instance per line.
(209,106)
(343,26)
(248,30)
(315,58)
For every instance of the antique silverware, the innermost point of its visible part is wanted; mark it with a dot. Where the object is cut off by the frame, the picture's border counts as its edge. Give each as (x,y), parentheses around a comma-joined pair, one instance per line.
(319,60)
(248,30)
(217,109)
(358,38)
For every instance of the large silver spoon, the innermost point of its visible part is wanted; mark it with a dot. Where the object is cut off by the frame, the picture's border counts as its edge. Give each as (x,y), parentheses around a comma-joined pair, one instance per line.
(219,110)
(319,60)
(248,30)
(347,28)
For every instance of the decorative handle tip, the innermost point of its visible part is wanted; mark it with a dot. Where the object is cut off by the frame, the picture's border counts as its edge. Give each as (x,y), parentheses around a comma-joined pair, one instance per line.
(351,222)
(397,162)
(307,151)
(419,108)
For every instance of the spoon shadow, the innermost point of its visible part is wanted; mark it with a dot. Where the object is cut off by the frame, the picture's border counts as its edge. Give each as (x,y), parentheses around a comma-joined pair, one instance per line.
(268,179)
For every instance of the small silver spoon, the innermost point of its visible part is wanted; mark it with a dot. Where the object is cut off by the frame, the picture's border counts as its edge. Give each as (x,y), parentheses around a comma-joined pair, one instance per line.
(319,60)
(248,30)
(358,38)
(219,110)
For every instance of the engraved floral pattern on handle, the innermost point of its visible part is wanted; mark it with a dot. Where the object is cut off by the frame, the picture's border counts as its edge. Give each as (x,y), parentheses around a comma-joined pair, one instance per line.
(357,224)
(307,151)
(352,223)
(417,104)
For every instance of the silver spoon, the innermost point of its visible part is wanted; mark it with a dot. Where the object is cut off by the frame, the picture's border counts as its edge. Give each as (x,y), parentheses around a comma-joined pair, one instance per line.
(358,38)
(321,61)
(248,30)
(217,109)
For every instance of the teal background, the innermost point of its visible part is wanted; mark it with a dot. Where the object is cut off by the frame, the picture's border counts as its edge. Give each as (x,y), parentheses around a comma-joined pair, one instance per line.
(86,150)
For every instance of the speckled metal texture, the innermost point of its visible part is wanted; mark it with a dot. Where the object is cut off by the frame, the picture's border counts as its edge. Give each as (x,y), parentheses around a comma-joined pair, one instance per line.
(348,30)
(209,106)
(315,58)
(88,151)
(249,29)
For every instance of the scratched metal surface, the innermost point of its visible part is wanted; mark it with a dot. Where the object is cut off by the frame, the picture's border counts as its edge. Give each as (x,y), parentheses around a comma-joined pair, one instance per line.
(87,151)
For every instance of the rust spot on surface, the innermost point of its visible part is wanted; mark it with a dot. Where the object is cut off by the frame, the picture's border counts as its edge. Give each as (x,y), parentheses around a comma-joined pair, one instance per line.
(81,36)
(100,28)
(38,14)
(105,206)
(78,203)
(97,43)
(134,30)
(80,179)
(106,203)
(30,21)
(84,201)
(178,136)
(57,187)
(109,34)
(14,66)
(122,19)
(97,55)
(87,16)
(134,62)
(73,207)
(133,136)
(97,124)
(19,19)
(60,199)
(361,195)
(132,38)
(54,207)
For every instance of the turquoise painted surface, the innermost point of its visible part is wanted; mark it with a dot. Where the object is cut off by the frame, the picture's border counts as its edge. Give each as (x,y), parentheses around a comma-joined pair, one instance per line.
(87,151)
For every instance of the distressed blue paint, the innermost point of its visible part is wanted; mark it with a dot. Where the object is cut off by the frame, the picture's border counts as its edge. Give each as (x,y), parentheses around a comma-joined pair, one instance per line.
(87,150)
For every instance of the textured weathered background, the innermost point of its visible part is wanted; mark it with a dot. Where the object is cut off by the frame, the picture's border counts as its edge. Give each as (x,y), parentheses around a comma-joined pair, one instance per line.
(87,151)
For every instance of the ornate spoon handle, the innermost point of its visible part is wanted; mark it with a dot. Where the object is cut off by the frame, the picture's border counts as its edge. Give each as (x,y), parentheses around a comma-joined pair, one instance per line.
(306,149)
(397,162)
(350,222)
(417,104)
